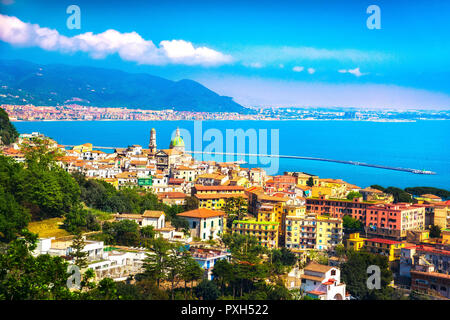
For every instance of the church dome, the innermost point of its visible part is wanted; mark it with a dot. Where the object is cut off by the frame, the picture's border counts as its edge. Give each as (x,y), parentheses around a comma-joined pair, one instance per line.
(177,141)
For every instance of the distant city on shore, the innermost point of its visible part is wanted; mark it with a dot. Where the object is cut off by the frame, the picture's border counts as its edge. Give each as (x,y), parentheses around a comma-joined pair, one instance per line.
(88,113)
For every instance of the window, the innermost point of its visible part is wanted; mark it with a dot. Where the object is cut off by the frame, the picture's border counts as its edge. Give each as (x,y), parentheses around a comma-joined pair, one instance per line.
(333,272)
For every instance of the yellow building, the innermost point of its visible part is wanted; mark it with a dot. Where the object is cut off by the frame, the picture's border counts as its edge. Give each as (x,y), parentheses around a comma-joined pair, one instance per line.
(83,147)
(265,232)
(329,232)
(113,181)
(446,236)
(320,191)
(355,242)
(216,201)
(277,212)
(389,248)
(302,178)
(240,181)
(307,232)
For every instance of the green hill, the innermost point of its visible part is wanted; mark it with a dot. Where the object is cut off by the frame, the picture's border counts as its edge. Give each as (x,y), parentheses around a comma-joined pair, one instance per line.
(8,132)
(23,82)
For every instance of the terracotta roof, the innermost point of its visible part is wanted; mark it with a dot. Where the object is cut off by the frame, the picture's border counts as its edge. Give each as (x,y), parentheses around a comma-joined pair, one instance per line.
(312,278)
(431,274)
(175,181)
(171,195)
(316,292)
(373,190)
(316,267)
(152,214)
(128,216)
(430,196)
(204,196)
(385,241)
(199,187)
(201,213)
(265,197)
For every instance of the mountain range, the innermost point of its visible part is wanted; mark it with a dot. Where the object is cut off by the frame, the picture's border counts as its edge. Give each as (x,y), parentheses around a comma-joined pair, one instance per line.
(23,82)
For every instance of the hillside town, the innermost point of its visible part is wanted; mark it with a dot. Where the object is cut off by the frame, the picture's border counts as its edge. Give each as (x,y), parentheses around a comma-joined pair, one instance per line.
(302,212)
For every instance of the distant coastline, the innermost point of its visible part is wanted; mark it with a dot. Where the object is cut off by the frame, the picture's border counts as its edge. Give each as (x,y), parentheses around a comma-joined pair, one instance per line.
(19,113)
(356,120)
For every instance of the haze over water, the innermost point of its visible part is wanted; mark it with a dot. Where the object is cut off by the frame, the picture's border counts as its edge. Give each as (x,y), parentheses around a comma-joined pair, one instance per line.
(418,145)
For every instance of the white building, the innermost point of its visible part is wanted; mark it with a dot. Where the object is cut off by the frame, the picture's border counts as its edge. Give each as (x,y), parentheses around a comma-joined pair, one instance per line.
(157,219)
(323,282)
(207,258)
(204,223)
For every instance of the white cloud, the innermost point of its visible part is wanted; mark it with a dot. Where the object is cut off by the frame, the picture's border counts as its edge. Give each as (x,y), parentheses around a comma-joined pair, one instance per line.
(129,46)
(296,55)
(356,72)
(311,70)
(298,69)
(256,65)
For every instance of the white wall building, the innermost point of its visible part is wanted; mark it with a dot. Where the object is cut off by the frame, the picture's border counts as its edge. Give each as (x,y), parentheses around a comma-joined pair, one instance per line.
(204,223)
(323,282)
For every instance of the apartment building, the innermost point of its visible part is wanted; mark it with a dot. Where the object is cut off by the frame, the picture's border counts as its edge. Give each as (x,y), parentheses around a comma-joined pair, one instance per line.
(313,232)
(265,231)
(394,220)
(385,247)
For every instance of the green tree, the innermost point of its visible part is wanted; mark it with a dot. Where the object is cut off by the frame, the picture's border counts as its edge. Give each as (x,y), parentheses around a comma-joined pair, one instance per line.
(25,277)
(435,231)
(79,256)
(191,271)
(107,290)
(191,203)
(235,208)
(124,232)
(44,187)
(207,290)
(418,191)
(282,260)
(353,194)
(378,187)
(399,195)
(354,275)
(158,261)
(247,264)
(148,232)
(79,220)
(8,133)
(351,224)
(13,217)
(310,182)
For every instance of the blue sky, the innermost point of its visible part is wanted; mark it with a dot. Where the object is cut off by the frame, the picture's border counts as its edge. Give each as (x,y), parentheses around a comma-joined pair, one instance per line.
(304,53)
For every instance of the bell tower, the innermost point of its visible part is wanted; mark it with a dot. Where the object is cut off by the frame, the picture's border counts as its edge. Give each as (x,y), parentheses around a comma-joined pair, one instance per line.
(152,144)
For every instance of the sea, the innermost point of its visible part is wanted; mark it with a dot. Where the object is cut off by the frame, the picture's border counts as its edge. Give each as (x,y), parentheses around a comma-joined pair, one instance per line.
(423,145)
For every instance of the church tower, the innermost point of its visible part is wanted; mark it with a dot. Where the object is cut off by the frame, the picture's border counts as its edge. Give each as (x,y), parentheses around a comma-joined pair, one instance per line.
(152,144)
